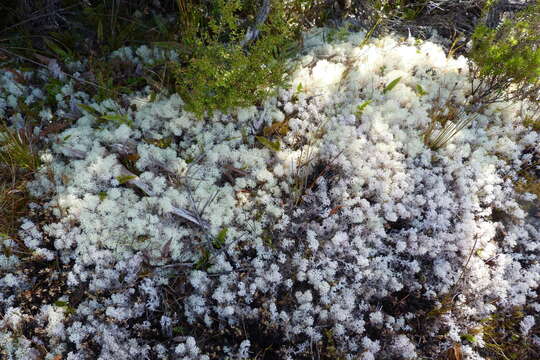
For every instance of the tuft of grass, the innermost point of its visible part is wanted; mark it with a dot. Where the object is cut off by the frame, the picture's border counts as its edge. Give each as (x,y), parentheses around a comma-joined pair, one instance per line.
(529,174)
(18,149)
(39,31)
(436,139)
(306,171)
(505,64)
(503,338)
(529,182)
(18,161)
(447,120)
(533,122)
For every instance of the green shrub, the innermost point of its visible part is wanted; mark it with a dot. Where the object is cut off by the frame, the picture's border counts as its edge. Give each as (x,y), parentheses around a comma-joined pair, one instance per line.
(507,58)
(222,70)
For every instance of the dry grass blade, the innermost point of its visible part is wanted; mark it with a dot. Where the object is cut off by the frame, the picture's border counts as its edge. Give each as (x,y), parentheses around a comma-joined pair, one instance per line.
(17,149)
(448,131)
(184,13)
(253,32)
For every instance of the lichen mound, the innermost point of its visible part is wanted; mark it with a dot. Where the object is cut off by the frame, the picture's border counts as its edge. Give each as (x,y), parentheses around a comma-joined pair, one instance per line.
(316,225)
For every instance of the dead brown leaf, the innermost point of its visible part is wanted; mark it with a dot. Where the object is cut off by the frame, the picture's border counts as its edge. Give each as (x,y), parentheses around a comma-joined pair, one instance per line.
(454,353)
(335,210)
(277,128)
(54,128)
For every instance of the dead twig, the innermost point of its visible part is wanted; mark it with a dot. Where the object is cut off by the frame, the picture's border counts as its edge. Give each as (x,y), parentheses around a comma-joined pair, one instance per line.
(253,32)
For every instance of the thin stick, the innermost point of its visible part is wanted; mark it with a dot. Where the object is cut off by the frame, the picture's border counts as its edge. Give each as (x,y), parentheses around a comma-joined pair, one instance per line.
(68,75)
(253,32)
(467,263)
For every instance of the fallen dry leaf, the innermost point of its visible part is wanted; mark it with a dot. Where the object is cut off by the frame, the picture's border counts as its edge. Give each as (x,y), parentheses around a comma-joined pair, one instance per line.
(54,128)
(335,210)
(454,353)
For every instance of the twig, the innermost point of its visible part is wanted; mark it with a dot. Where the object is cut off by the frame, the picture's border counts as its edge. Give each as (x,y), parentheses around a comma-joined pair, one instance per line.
(46,67)
(467,263)
(37,17)
(242,269)
(175,265)
(253,32)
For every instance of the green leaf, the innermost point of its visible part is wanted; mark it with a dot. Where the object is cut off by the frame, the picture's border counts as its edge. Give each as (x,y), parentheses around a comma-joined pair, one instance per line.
(121,119)
(243,131)
(114,117)
(88,109)
(219,240)
(391,85)
(204,261)
(100,31)
(178,330)
(135,81)
(58,51)
(470,338)
(299,88)
(171,45)
(160,24)
(102,195)
(65,305)
(272,145)
(122,179)
(420,91)
(360,108)
(267,240)
(142,238)
(160,143)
